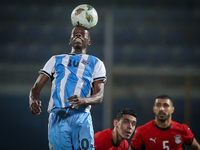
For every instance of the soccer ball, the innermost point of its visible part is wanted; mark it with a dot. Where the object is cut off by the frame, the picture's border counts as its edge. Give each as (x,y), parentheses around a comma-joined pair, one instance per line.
(84,15)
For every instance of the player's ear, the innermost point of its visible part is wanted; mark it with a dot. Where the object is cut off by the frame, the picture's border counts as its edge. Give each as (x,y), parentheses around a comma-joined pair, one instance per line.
(154,109)
(89,42)
(115,122)
(173,108)
(70,41)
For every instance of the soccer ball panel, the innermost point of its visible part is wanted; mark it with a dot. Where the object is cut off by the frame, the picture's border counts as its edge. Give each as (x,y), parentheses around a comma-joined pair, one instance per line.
(84,15)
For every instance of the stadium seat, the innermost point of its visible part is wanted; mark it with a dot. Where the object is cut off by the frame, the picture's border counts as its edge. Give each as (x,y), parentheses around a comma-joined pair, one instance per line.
(9,34)
(187,16)
(152,36)
(21,53)
(126,36)
(138,15)
(196,36)
(43,53)
(124,103)
(162,55)
(59,35)
(34,33)
(96,50)
(98,35)
(22,12)
(164,16)
(188,56)
(175,36)
(139,55)
(178,115)
(44,14)
(3,53)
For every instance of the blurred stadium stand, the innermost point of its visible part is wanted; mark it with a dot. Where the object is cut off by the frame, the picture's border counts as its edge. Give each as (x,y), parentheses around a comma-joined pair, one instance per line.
(159,40)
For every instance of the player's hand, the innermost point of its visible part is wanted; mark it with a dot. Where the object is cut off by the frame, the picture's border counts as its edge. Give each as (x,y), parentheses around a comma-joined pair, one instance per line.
(76,100)
(35,107)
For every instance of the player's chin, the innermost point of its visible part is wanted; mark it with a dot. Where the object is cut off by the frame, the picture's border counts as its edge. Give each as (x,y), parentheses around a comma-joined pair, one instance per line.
(162,119)
(78,48)
(127,135)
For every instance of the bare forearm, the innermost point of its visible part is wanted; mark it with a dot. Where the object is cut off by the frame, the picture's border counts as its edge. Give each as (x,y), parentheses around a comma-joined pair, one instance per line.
(97,97)
(34,95)
(94,99)
(35,104)
(37,87)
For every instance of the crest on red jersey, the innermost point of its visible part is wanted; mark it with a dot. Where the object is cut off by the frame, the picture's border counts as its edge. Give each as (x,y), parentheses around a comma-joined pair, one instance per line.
(177,139)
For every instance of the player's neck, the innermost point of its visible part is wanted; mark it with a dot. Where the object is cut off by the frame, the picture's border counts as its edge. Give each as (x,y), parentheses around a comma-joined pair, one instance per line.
(78,51)
(164,124)
(116,138)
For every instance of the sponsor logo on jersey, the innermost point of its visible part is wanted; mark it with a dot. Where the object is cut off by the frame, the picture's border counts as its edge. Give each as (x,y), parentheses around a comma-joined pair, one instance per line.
(154,140)
(85,62)
(177,139)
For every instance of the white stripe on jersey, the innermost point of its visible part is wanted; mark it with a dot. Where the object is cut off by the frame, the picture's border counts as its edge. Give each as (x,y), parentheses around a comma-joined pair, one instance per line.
(79,74)
(63,82)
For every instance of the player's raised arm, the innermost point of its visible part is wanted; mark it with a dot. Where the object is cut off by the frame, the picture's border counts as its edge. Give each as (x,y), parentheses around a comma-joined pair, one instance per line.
(34,103)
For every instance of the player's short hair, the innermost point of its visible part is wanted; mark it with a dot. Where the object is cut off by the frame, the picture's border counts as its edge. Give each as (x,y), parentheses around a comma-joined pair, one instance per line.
(126,111)
(165,96)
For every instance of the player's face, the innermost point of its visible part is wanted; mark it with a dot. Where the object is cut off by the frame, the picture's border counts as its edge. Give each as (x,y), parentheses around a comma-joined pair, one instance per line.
(80,38)
(163,109)
(126,126)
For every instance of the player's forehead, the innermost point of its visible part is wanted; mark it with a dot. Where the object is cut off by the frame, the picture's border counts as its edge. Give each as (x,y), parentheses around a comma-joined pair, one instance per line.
(162,101)
(128,117)
(79,29)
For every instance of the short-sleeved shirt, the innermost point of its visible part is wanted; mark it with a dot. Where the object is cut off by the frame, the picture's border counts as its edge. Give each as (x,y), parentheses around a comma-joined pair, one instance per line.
(151,137)
(72,75)
(103,140)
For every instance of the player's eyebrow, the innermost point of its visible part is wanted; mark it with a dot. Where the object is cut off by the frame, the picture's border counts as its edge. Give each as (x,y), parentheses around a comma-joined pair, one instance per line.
(126,119)
(162,104)
(158,103)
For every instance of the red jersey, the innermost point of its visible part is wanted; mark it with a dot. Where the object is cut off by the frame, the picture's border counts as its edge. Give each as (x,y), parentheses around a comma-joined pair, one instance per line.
(103,140)
(151,137)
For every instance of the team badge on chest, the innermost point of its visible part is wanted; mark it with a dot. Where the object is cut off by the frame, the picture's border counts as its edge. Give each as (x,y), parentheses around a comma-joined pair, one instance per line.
(177,139)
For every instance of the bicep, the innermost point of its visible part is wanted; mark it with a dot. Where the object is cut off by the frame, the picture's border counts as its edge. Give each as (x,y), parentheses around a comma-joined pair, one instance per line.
(98,86)
(40,82)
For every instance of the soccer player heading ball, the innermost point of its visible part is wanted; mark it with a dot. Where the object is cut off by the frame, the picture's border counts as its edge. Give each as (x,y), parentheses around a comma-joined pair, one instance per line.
(77,83)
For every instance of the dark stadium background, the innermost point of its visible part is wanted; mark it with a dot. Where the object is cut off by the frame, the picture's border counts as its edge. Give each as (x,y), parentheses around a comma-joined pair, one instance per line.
(149,48)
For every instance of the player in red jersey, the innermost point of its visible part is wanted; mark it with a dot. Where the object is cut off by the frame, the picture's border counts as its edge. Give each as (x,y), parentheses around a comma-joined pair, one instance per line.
(163,133)
(116,139)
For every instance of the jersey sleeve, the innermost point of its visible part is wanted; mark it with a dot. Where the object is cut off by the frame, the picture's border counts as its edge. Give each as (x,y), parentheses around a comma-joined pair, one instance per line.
(126,145)
(137,142)
(100,72)
(188,136)
(48,68)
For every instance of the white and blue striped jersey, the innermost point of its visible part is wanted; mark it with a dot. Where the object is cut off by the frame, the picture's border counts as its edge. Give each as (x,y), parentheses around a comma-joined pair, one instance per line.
(72,75)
